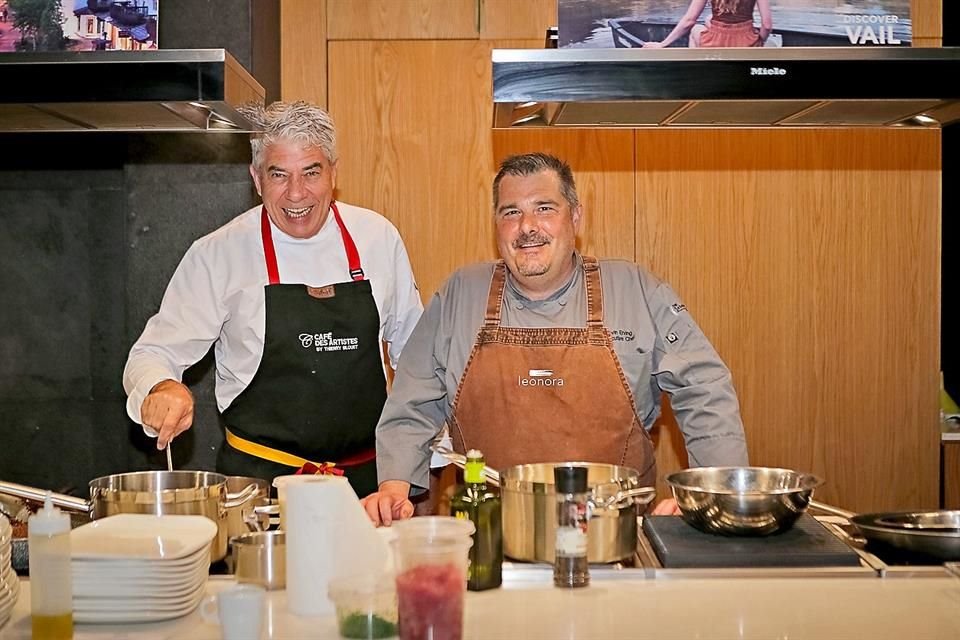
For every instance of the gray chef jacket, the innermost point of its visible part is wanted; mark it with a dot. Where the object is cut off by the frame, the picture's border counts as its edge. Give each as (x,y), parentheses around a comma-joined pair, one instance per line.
(660,348)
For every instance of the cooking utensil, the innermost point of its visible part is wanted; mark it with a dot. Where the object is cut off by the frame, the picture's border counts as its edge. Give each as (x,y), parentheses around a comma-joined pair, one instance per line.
(530,511)
(931,533)
(253,514)
(529,508)
(740,501)
(169,458)
(158,492)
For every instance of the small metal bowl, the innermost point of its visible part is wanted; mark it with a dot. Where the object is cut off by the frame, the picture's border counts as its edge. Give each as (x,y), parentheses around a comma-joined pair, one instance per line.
(742,501)
(261,558)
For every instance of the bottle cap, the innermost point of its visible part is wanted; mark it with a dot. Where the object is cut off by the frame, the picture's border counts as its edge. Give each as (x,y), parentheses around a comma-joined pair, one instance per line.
(473,469)
(49,520)
(570,479)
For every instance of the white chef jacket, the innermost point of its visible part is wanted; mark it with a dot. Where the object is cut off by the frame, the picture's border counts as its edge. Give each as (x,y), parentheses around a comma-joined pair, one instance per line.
(216,296)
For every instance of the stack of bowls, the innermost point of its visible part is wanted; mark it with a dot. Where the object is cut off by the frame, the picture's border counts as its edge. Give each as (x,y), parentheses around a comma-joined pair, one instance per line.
(9,582)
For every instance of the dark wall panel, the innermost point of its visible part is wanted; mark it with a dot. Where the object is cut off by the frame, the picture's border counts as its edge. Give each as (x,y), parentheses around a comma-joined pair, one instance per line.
(93,227)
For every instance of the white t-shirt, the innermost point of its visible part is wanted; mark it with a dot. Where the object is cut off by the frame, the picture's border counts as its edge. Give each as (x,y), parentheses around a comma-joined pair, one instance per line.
(216,296)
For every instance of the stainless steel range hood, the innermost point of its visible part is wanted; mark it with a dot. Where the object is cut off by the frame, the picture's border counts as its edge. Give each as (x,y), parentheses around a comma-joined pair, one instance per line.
(165,90)
(782,87)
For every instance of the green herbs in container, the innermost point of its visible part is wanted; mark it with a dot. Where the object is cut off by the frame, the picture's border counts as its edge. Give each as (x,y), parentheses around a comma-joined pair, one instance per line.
(365,625)
(366,606)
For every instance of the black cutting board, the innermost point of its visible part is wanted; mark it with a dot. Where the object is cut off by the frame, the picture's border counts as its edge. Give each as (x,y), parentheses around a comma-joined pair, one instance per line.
(806,544)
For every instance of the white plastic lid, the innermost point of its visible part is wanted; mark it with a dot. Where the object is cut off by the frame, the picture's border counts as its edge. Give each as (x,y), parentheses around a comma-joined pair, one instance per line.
(49,520)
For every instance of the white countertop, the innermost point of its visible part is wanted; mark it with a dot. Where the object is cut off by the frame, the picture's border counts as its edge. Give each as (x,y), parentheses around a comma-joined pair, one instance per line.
(912,608)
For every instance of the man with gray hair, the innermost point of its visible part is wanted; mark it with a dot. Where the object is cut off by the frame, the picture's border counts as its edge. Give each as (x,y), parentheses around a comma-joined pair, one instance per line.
(298,296)
(550,356)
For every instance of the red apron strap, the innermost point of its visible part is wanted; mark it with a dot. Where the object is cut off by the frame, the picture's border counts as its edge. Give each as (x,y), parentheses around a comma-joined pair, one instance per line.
(269,254)
(353,256)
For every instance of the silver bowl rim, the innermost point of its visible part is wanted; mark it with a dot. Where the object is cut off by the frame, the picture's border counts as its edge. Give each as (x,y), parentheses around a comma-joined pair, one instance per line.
(808,482)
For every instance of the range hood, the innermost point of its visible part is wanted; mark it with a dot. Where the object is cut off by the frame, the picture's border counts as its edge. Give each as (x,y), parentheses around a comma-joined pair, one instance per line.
(157,90)
(781,87)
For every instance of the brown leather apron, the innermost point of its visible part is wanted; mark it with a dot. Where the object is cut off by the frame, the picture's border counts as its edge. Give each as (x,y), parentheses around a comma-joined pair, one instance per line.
(549,395)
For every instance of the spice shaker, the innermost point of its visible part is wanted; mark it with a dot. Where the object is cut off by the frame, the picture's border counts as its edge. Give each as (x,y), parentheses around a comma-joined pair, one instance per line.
(570,568)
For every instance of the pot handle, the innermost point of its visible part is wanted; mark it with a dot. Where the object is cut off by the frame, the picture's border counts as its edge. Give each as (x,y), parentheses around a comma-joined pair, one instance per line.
(254,519)
(834,511)
(640,495)
(61,500)
(241,498)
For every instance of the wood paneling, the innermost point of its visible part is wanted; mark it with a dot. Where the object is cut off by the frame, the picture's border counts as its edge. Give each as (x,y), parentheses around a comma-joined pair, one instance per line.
(951,476)
(303,50)
(513,19)
(811,260)
(414,146)
(927,18)
(403,19)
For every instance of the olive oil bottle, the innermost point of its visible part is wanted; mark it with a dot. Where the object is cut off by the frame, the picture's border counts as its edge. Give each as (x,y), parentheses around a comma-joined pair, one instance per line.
(476,502)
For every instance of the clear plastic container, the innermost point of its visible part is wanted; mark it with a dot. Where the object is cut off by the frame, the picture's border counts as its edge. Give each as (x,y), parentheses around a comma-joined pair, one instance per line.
(366,606)
(431,555)
(433,528)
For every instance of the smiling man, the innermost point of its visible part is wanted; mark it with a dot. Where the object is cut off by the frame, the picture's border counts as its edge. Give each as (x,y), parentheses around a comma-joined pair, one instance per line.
(550,356)
(298,296)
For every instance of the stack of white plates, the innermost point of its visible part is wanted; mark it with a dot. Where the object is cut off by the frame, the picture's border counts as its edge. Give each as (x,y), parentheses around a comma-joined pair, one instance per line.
(139,568)
(9,582)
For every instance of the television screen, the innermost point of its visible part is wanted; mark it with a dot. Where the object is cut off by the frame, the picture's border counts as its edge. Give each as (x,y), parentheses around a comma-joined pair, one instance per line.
(78,25)
(733,23)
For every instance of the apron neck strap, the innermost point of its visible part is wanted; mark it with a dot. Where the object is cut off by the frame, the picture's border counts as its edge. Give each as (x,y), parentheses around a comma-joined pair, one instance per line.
(270,254)
(495,298)
(594,287)
(591,270)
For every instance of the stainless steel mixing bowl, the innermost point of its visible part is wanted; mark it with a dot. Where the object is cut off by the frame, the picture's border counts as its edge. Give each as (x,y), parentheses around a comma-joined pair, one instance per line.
(742,501)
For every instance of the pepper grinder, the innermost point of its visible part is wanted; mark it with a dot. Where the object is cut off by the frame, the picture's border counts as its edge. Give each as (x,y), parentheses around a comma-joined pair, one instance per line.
(570,568)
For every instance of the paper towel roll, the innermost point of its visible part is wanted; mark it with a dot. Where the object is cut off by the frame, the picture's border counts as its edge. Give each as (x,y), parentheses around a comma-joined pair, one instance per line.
(328,534)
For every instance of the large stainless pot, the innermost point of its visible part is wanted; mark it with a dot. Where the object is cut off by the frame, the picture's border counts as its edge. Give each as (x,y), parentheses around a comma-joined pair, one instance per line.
(157,492)
(530,511)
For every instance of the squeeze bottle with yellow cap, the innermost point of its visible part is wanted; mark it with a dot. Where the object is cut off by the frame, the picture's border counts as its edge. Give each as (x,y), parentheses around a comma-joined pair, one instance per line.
(51,586)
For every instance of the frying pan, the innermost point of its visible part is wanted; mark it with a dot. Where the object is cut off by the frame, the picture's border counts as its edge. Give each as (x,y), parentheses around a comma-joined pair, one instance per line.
(933,533)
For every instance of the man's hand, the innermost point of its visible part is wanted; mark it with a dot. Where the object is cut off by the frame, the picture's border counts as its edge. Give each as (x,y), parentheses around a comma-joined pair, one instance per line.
(666,507)
(389,503)
(167,409)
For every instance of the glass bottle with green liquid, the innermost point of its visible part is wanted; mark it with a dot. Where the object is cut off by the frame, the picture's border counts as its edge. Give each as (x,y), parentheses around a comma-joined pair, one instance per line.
(481,505)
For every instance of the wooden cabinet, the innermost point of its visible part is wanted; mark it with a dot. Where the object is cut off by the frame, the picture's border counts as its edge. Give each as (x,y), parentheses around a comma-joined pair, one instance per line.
(516,19)
(810,258)
(416,145)
(403,19)
(303,52)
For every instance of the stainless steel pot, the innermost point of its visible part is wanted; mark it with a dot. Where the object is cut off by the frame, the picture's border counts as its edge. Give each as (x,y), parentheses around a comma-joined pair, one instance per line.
(157,492)
(530,511)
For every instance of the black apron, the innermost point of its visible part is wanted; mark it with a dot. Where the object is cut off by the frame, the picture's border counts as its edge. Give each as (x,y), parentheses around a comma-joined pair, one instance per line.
(320,388)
